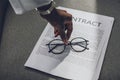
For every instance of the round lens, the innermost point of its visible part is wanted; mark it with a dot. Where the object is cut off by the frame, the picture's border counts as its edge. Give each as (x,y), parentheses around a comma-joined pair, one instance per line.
(56,46)
(79,44)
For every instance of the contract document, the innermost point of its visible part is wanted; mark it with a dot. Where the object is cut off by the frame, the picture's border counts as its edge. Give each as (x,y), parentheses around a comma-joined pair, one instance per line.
(93,32)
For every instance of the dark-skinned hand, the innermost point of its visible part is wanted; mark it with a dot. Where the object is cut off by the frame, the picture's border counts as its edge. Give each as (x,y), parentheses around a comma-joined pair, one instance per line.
(62,23)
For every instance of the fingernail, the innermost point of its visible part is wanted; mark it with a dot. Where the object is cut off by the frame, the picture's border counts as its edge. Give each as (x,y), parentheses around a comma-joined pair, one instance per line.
(65,42)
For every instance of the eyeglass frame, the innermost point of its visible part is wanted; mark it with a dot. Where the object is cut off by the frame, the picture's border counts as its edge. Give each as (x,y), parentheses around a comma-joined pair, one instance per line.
(69,44)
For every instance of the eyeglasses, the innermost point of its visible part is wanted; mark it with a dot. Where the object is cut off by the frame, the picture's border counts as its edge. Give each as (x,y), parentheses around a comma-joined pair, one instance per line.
(77,44)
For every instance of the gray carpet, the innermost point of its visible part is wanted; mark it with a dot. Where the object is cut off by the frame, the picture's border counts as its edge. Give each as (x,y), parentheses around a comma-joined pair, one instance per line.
(21,33)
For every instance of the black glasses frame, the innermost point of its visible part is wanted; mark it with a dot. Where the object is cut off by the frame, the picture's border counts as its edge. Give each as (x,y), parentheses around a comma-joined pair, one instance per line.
(69,43)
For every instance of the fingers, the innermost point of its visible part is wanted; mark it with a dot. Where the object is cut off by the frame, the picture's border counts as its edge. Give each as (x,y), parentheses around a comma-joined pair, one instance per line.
(69,29)
(56,31)
(63,35)
(69,25)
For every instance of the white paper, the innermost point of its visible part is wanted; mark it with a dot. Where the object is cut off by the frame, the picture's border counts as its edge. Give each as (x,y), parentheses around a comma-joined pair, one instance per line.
(73,65)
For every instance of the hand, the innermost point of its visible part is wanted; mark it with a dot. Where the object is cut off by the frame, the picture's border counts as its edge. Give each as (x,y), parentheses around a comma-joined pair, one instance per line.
(62,23)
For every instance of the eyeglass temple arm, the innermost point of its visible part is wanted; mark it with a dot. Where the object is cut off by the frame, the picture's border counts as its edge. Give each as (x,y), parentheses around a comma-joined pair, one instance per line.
(52,48)
(80,45)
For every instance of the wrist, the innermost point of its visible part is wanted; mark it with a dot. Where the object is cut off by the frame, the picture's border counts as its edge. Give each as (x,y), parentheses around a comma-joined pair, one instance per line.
(47,9)
(52,16)
(44,8)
